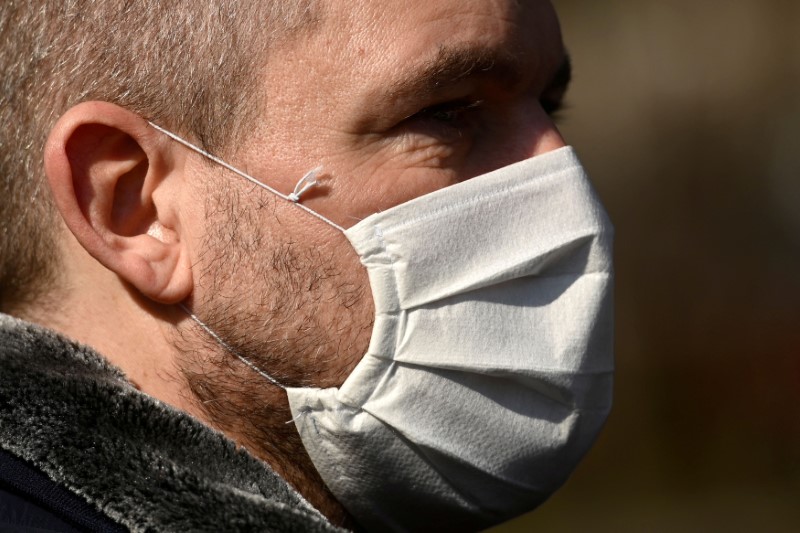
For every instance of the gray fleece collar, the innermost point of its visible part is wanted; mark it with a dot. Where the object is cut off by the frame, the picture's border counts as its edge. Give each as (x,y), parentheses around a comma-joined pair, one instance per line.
(146,465)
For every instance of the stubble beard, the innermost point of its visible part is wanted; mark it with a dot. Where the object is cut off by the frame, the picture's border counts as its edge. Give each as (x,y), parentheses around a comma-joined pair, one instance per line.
(300,311)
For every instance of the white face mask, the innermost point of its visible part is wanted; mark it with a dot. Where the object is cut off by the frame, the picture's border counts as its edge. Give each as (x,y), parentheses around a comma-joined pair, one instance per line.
(489,372)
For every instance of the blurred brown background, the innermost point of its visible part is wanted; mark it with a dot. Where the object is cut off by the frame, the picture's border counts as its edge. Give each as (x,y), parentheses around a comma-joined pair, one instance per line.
(687,115)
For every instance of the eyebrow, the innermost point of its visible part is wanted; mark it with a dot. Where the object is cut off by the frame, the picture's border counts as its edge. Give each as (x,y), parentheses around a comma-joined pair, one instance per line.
(452,65)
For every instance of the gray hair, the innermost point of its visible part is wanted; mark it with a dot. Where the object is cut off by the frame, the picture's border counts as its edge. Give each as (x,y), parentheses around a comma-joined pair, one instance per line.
(189,65)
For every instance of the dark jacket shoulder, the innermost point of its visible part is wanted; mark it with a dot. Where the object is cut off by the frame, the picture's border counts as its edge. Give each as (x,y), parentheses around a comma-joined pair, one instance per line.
(68,414)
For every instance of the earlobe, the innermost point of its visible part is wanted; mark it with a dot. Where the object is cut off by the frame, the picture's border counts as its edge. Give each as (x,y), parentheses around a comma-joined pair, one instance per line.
(108,174)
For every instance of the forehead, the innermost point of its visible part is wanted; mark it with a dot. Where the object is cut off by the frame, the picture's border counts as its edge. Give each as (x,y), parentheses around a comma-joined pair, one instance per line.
(385,38)
(386,21)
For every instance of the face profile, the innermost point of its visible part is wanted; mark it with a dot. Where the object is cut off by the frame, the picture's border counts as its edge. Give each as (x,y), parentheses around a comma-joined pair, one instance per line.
(365,259)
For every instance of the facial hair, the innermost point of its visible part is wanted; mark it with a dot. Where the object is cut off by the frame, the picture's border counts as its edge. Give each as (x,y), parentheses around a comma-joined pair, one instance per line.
(298,307)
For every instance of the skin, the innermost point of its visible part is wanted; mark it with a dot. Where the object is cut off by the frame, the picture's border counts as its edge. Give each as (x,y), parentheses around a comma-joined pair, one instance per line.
(394,99)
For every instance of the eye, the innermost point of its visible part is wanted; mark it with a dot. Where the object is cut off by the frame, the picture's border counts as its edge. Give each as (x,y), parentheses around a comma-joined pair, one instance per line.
(455,114)
(451,122)
(552,102)
(551,106)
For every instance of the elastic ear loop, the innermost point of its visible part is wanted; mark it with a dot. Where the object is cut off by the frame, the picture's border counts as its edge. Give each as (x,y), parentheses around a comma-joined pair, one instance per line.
(241,358)
(306,182)
(230,348)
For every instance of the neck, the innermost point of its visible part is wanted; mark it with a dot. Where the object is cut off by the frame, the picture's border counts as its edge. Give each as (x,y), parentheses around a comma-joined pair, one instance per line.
(103,314)
(165,355)
(253,411)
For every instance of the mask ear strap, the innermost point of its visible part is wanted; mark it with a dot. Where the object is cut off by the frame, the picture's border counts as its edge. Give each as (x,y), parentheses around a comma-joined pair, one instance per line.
(306,182)
(230,348)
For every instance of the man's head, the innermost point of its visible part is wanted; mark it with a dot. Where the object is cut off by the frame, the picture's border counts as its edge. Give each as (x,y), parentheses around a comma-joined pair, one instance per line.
(393,99)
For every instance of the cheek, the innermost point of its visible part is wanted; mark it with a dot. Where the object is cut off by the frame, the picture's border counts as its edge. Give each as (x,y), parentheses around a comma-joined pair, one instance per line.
(284,288)
(522,131)
(420,152)
(385,174)
(408,183)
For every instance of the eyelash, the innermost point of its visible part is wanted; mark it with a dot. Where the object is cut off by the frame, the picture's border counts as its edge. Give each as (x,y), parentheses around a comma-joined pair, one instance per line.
(457,107)
(551,106)
(457,117)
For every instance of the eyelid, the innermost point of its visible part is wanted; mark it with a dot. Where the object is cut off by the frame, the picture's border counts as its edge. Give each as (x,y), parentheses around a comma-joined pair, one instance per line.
(461,106)
(454,104)
(430,126)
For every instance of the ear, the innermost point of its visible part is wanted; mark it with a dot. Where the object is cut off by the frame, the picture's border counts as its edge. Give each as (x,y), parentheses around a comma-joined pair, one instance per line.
(108,171)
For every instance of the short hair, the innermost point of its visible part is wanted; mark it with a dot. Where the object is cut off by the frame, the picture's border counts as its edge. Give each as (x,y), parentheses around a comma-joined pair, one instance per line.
(189,65)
